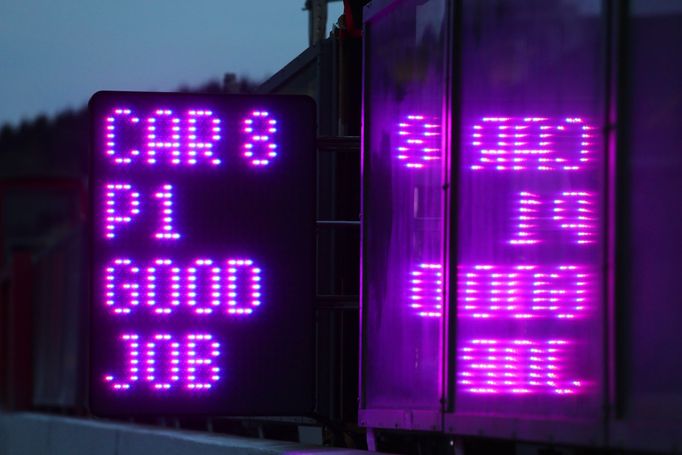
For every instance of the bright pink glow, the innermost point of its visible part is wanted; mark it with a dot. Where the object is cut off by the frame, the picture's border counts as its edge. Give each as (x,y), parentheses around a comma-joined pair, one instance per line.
(418,141)
(165,197)
(132,368)
(245,297)
(204,287)
(567,211)
(122,286)
(203,132)
(531,235)
(528,208)
(201,372)
(122,205)
(163,134)
(258,130)
(162,137)
(575,211)
(525,291)
(532,143)
(163,361)
(232,287)
(162,286)
(499,366)
(121,121)
(426,290)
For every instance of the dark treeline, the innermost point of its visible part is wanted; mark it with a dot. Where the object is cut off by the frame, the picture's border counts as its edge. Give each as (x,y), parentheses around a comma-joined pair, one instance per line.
(59,145)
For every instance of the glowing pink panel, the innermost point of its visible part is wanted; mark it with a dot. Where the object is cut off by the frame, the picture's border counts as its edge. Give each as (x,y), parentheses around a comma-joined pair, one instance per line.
(525,291)
(529,273)
(122,205)
(426,290)
(419,141)
(518,366)
(259,130)
(164,361)
(533,143)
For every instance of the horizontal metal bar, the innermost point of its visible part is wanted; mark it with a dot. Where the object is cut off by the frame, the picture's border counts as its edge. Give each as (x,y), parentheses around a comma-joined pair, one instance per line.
(44,433)
(345,223)
(339,144)
(336,297)
(339,306)
(341,302)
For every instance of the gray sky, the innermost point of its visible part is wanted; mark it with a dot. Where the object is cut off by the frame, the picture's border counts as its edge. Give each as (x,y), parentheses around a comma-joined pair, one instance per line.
(55,53)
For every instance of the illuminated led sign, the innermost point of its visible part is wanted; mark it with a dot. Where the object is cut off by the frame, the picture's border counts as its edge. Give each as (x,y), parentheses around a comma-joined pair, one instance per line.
(529,245)
(203,210)
(529,262)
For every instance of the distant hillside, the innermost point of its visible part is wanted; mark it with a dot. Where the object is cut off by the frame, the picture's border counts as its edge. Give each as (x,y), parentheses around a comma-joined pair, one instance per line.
(59,146)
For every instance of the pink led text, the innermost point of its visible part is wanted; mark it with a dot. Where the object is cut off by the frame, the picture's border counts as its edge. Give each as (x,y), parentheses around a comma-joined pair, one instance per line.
(232,287)
(418,141)
(571,212)
(528,279)
(169,286)
(165,361)
(123,204)
(524,291)
(162,137)
(426,290)
(517,366)
(187,138)
(259,130)
(532,143)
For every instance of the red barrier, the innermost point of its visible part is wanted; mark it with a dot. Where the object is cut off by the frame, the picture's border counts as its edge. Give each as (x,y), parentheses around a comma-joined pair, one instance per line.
(16,334)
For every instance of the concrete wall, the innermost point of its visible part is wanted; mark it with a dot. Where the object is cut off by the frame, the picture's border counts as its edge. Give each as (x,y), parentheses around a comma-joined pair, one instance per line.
(44,434)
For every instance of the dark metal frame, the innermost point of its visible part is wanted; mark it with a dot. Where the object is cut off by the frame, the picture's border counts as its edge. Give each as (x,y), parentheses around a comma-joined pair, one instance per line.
(632,432)
(321,67)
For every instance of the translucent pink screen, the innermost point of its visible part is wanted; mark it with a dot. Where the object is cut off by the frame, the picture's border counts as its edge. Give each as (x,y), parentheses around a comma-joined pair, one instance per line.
(528,278)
